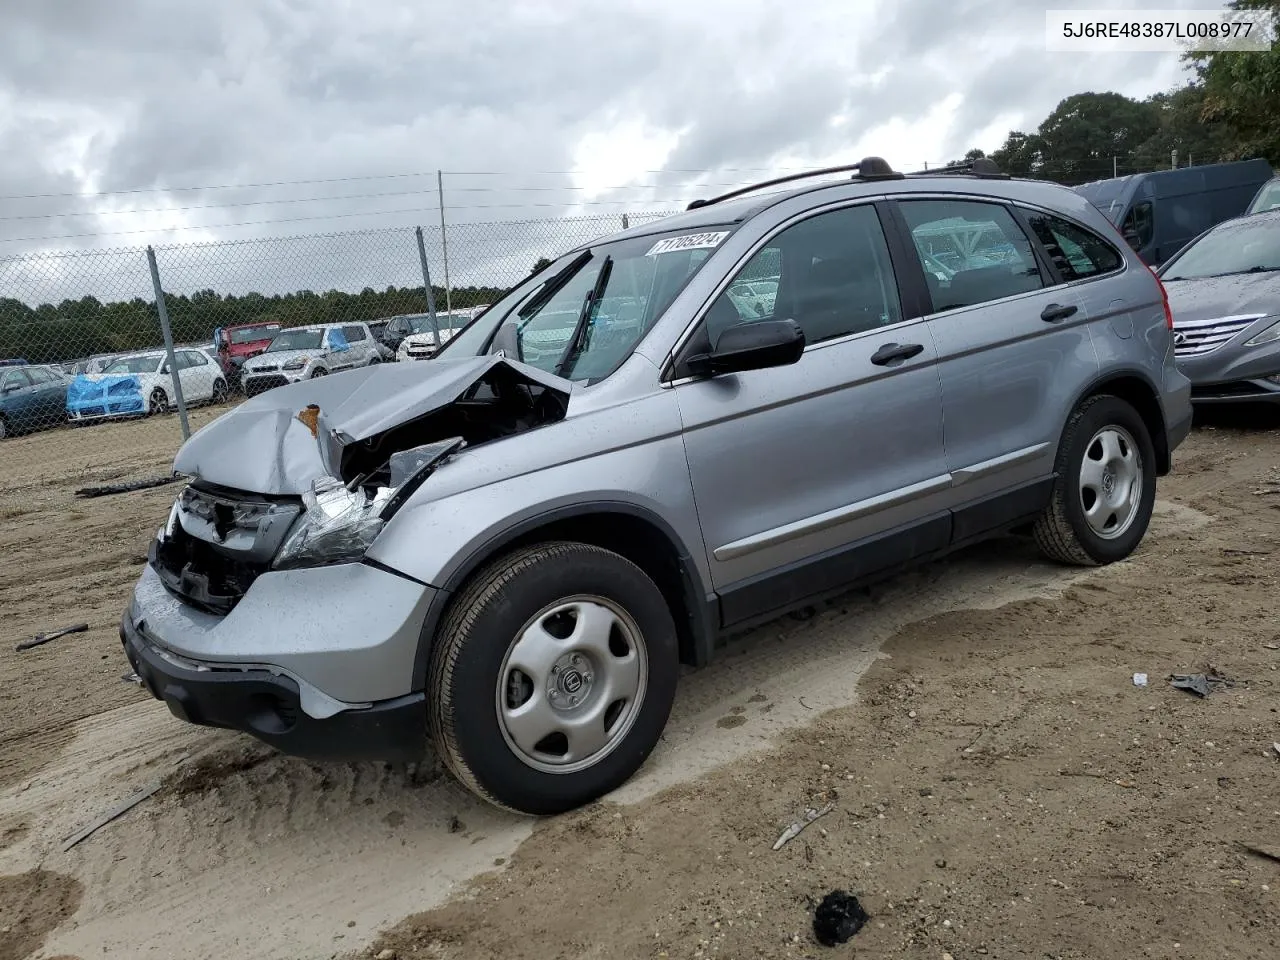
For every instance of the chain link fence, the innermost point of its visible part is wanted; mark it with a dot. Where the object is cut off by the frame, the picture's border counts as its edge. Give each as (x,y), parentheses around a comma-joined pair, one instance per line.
(83,340)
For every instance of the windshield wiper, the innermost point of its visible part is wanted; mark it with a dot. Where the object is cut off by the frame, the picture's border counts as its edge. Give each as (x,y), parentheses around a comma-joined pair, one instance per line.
(545,292)
(577,338)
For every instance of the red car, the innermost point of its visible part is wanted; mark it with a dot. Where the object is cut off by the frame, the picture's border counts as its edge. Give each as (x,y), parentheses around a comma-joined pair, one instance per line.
(237,344)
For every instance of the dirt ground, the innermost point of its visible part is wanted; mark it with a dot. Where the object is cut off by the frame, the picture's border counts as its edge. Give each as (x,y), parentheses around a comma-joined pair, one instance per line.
(1000,786)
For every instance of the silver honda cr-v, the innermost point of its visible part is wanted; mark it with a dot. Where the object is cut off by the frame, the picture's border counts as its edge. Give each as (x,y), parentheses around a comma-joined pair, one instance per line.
(749,406)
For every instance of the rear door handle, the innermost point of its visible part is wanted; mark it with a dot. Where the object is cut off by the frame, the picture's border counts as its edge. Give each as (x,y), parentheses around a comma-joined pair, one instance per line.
(1056,313)
(892,353)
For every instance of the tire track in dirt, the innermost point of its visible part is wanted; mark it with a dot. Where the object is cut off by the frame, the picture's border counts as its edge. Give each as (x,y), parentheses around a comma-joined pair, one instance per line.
(303,858)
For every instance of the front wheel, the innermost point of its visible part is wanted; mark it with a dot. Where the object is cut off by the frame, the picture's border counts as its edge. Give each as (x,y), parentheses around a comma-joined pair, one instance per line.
(318,372)
(159,402)
(1105,490)
(552,677)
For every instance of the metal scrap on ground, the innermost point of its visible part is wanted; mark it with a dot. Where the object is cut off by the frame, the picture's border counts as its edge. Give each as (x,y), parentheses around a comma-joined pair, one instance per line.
(42,638)
(793,831)
(123,807)
(110,489)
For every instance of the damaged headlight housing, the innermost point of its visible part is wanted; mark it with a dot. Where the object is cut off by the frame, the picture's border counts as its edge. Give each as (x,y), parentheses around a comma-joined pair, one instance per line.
(338,524)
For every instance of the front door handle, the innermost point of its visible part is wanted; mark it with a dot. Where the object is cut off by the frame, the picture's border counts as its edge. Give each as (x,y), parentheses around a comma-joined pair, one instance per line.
(892,353)
(1056,313)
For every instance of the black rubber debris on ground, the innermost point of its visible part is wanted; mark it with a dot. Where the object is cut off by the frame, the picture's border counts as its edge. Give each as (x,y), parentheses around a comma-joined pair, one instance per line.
(43,638)
(838,917)
(111,489)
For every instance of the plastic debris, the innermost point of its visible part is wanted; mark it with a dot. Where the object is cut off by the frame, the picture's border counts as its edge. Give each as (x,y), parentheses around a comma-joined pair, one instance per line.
(1139,679)
(793,831)
(837,918)
(1198,683)
(114,488)
(1259,852)
(118,810)
(43,638)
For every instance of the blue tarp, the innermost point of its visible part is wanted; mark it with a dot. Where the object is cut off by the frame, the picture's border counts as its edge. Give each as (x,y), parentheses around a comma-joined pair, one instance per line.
(113,396)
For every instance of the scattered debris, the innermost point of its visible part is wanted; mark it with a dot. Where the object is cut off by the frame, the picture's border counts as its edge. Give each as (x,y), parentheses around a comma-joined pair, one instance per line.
(118,810)
(1139,679)
(1259,852)
(111,489)
(838,917)
(793,831)
(1271,646)
(1276,747)
(43,638)
(1231,552)
(1198,683)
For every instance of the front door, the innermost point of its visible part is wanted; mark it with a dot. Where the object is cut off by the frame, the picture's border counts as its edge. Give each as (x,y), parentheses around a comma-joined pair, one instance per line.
(811,475)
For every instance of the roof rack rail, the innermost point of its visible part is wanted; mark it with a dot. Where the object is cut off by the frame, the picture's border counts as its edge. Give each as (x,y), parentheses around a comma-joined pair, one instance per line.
(977,167)
(868,168)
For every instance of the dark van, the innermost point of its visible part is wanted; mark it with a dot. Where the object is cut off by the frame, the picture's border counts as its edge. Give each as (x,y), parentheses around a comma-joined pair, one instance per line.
(1162,211)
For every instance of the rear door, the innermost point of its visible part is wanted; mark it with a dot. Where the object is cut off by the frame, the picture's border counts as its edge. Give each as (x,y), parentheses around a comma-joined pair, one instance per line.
(362,348)
(18,398)
(50,401)
(808,476)
(1014,349)
(198,374)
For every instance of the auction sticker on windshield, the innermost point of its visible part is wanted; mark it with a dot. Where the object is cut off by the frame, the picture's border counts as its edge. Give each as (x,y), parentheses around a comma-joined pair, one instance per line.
(690,241)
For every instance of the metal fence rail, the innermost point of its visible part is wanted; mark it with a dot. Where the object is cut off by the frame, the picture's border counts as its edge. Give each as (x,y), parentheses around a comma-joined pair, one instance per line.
(110,334)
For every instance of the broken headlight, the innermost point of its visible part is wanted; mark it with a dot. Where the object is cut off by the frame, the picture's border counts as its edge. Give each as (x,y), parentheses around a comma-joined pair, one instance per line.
(338,524)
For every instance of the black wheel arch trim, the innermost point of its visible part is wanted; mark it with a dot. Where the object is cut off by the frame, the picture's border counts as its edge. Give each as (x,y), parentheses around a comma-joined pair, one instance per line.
(1159,438)
(700,619)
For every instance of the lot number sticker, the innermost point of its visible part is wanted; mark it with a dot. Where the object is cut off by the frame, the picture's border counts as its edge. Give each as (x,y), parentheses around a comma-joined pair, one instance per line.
(690,241)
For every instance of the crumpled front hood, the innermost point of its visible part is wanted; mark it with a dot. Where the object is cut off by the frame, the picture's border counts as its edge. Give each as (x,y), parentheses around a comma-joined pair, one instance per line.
(1214,297)
(263,447)
(279,358)
(93,385)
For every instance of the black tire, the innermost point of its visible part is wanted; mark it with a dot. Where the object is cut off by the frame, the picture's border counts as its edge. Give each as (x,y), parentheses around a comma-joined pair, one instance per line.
(375,360)
(318,372)
(1061,532)
(158,402)
(220,391)
(473,643)
(4,428)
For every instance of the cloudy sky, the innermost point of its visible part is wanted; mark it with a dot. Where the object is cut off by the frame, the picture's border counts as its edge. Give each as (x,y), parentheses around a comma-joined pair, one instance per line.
(127,122)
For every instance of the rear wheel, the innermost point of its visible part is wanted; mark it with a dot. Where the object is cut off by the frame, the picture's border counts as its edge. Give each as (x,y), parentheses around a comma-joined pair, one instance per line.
(1105,490)
(158,403)
(4,428)
(220,391)
(552,677)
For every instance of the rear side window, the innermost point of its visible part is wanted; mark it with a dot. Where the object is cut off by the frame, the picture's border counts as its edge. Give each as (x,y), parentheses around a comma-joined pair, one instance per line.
(1077,253)
(971,251)
(39,376)
(353,334)
(15,378)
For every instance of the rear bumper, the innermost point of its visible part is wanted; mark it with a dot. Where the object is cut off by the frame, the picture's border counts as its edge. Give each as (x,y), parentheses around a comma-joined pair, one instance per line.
(267,705)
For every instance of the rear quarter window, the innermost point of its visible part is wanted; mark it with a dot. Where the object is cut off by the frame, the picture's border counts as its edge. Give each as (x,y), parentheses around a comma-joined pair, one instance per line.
(1076,252)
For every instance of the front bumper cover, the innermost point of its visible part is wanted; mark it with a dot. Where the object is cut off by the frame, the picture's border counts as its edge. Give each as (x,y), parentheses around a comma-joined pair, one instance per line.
(267,705)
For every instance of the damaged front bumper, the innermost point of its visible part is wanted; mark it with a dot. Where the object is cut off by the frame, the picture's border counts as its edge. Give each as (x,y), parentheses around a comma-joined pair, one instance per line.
(318,662)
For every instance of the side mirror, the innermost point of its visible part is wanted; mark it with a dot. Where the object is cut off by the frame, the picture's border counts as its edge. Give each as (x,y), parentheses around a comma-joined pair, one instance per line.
(165,368)
(751,346)
(506,341)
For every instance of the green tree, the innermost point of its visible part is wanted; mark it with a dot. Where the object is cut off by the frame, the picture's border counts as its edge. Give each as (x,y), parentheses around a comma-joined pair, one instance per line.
(1242,92)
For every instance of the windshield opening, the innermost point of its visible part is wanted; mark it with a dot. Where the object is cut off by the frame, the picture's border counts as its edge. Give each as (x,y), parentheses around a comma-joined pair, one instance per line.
(296,340)
(257,333)
(600,302)
(1238,247)
(143,364)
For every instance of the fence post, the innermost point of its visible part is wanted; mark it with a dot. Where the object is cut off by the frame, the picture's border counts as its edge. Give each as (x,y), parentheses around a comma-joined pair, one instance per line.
(444,243)
(426,283)
(1113,167)
(168,343)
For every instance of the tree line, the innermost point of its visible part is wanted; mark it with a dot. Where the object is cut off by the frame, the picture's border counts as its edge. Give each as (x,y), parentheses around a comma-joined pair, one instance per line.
(75,329)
